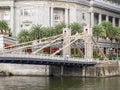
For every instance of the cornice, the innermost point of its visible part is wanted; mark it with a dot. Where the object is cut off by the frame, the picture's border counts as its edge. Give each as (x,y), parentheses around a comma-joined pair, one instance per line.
(105,5)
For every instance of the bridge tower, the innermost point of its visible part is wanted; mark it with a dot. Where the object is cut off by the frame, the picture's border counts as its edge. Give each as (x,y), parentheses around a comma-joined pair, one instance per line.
(66,41)
(88,42)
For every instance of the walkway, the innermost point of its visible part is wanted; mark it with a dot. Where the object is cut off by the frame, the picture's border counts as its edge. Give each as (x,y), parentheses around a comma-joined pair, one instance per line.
(44,60)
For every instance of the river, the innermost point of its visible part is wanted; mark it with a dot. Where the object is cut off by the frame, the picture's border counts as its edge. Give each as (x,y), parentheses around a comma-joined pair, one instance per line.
(59,83)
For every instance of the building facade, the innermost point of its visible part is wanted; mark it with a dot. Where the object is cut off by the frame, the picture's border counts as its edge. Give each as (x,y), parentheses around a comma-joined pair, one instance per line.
(22,14)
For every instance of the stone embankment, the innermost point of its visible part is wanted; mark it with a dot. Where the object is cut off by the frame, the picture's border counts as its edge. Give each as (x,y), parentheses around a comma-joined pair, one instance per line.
(22,69)
(102,69)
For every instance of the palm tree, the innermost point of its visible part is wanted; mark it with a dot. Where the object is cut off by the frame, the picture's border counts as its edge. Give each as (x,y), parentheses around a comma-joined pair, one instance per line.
(97,31)
(76,27)
(23,36)
(116,33)
(49,31)
(117,38)
(111,32)
(58,28)
(108,28)
(4,28)
(36,32)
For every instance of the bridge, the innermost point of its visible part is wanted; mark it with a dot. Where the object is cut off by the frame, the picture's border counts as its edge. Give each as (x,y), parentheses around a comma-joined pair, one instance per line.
(64,41)
(44,60)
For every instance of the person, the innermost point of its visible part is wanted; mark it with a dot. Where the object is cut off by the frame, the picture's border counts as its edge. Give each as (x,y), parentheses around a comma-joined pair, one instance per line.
(67,56)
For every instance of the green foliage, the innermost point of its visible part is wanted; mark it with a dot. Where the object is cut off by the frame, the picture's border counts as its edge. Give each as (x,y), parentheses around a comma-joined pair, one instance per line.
(110,56)
(95,54)
(23,36)
(106,29)
(119,56)
(97,31)
(116,31)
(48,31)
(38,32)
(4,28)
(58,28)
(76,53)
(76,27)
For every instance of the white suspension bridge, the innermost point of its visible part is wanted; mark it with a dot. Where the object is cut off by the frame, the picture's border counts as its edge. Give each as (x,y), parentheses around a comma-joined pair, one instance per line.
(64,41)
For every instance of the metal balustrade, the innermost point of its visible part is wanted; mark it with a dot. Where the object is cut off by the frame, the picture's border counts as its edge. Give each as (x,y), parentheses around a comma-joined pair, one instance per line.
(45,56)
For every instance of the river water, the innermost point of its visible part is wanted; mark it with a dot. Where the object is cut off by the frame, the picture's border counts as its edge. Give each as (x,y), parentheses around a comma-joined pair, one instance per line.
(59,83)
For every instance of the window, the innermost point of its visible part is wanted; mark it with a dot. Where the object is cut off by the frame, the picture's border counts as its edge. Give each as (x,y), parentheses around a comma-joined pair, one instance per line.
(58,15)
(26,24)
(83,16)
(6,16)
(26,12)
(57,18)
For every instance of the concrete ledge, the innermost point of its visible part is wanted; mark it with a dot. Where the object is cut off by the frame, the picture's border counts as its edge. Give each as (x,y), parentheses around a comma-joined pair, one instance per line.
(21,69)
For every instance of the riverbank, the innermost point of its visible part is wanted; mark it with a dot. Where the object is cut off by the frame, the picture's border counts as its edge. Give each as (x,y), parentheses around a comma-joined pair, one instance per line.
(102,69)
(24,70)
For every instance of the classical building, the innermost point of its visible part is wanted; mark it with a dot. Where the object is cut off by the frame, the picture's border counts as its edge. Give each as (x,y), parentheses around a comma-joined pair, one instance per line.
(22,14)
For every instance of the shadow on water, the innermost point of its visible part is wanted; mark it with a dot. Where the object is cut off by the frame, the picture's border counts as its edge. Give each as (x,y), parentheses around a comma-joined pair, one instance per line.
(76,83)
(59,83)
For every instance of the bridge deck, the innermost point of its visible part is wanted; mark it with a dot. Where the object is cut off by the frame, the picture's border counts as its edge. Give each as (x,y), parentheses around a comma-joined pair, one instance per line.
(44,61)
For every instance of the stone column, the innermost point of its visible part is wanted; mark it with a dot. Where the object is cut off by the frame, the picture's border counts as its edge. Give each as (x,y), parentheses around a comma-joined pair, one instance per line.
(66,15)
(92,19)
(51,16)
(100,18)
(119,22)
(107,18)
(12,20)
(0,15)
(113,21)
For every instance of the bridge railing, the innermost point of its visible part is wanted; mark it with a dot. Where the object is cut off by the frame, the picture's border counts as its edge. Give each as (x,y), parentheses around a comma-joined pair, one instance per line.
(46,56)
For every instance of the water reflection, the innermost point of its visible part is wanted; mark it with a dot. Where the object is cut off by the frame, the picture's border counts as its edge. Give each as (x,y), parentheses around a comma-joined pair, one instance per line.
(57,83)
(23,83)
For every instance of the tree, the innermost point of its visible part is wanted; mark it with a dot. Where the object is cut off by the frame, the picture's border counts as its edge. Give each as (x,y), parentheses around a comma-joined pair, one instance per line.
(116,33)
(97,31)
(58,28)
(108,28)
(36,32)
(4,28)
(49,31)
(23,36)
(76,27)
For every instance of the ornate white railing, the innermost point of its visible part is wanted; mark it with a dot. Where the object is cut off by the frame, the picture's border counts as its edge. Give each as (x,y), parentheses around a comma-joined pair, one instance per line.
(45,56)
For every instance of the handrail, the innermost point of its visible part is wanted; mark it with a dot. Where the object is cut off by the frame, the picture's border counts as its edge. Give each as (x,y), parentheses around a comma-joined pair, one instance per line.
(42,56)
